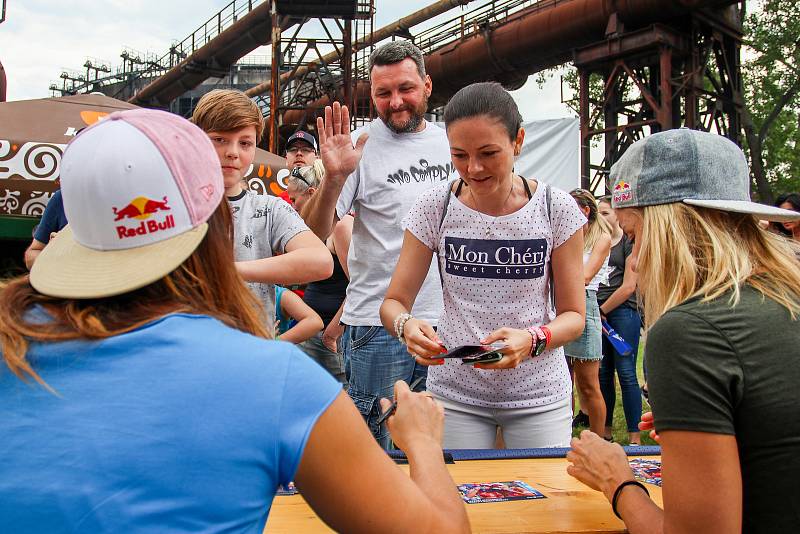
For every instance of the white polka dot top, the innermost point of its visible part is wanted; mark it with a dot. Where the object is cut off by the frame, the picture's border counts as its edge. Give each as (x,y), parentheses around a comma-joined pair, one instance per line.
(495,274)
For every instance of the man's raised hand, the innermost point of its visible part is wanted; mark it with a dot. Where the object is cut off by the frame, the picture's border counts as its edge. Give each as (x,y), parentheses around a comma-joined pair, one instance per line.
(339,156)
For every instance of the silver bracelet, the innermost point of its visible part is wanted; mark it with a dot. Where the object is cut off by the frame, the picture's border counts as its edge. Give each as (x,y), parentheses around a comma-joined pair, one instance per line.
(399,325)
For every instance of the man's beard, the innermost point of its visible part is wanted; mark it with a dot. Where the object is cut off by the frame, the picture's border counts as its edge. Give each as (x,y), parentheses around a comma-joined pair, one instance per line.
(413,122)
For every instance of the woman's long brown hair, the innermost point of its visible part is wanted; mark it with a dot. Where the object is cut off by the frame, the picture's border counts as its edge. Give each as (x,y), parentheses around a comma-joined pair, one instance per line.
(205,284)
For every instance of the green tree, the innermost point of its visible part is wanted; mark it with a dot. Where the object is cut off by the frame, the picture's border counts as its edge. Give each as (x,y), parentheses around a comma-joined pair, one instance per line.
(771,73)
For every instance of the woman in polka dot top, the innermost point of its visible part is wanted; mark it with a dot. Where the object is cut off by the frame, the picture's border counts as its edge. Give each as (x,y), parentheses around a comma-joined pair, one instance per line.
(495,244)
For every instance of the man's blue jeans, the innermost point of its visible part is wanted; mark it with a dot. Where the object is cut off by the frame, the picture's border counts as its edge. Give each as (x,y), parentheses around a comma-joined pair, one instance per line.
(626,322)
(373,362)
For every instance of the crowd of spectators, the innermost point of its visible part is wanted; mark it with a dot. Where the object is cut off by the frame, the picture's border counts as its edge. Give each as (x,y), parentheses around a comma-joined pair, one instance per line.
(175,381)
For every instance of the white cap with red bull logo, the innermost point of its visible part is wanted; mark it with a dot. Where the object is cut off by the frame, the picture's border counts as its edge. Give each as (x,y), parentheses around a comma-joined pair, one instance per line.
(138,188)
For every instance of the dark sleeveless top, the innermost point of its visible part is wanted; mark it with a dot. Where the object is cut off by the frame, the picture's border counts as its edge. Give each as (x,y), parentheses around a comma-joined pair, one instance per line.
(325,296)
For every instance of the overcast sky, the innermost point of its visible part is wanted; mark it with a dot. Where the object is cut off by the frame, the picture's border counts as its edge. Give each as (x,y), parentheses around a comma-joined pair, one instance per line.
(40,38)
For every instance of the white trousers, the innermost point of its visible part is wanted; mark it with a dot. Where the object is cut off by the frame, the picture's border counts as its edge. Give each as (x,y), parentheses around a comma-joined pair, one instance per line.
(475,427)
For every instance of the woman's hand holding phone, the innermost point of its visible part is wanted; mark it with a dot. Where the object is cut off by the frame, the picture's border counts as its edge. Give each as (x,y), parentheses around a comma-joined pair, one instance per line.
(422,342)
(517,347)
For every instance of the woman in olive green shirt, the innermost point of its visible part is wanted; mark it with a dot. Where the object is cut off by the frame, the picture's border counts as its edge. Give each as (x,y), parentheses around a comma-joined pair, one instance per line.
(722,301)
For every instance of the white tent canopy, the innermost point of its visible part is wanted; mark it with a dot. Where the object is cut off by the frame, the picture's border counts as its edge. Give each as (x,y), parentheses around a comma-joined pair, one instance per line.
(551,152)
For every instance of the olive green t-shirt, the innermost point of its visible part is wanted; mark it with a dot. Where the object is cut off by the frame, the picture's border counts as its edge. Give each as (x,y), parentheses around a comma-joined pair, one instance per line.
(736,370)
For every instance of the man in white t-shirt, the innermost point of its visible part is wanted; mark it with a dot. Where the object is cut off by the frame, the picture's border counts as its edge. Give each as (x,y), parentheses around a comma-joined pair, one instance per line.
(379,179)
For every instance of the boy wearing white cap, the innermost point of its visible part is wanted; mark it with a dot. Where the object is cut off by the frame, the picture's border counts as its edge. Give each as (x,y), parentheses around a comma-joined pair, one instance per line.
(263,224)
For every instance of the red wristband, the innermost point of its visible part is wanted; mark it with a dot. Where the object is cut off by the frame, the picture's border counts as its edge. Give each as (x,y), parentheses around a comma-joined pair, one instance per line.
(548,335)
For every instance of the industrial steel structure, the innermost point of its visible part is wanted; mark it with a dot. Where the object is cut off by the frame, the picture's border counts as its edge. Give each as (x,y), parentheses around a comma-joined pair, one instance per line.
(157,79)
(343,22)
(643,65)
(657,78)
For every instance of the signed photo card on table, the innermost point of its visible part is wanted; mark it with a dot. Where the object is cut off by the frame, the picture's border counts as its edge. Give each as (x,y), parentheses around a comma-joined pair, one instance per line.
(515,490)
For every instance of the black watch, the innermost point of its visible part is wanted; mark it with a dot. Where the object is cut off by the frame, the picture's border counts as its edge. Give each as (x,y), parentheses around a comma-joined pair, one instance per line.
(541,344)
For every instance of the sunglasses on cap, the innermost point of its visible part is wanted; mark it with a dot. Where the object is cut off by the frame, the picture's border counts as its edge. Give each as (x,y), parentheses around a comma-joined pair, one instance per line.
(296,173)
(580,191)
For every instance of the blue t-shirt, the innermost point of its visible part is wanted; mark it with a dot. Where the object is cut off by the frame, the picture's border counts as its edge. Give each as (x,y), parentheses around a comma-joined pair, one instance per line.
(53,219)
(282,323)
(184,425)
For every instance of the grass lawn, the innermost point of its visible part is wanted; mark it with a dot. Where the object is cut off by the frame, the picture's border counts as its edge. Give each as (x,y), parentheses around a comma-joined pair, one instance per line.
(619,430)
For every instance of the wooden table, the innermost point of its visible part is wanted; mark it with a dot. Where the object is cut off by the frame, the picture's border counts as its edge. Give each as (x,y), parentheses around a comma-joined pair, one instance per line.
(569,507)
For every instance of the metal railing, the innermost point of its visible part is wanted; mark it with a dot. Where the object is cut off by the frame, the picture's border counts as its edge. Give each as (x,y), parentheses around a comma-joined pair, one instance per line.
(489,14)
(218,23)
(137,65)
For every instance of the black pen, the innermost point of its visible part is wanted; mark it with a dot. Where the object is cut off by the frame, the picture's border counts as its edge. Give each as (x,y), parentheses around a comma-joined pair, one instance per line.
(385,415)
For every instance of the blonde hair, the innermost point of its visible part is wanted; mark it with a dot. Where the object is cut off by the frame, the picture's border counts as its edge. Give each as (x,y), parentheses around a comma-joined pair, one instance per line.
(596,225)
(310,176)
(691,252)
(225,110)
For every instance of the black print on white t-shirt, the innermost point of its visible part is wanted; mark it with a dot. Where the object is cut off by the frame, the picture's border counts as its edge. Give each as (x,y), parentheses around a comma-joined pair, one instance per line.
(495,258)
(424,173)
(248,241)
(260,212)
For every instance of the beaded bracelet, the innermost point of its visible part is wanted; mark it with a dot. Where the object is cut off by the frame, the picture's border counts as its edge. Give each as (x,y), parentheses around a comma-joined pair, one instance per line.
(534,339)
(618,491)
(399,324)
(537,333)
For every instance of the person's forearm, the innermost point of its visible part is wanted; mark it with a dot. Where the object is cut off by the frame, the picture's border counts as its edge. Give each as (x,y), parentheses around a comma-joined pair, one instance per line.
(338,317)
(616,298)
(430,474)
(303,330)
(30,257)
(566,327)
(299,266)
(641,515)
(590,270)
(319,213)
(390,309)
(334,329)
(588,273)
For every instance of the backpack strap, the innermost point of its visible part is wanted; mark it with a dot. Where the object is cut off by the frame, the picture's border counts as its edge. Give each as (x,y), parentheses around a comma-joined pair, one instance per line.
(445,205)
(447,201)
(527,187)
(549,199)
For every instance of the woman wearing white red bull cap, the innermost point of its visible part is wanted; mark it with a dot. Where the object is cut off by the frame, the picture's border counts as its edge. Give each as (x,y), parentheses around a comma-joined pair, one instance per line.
(153,401)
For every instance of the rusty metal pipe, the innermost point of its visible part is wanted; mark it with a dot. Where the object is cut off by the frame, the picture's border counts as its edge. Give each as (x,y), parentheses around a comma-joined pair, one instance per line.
(242,37)
(540,37)
(3,83)
(378,35)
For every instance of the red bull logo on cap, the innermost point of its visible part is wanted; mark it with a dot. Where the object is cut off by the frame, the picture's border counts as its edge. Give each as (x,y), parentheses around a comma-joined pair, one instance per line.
(142,208)
(622,192)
